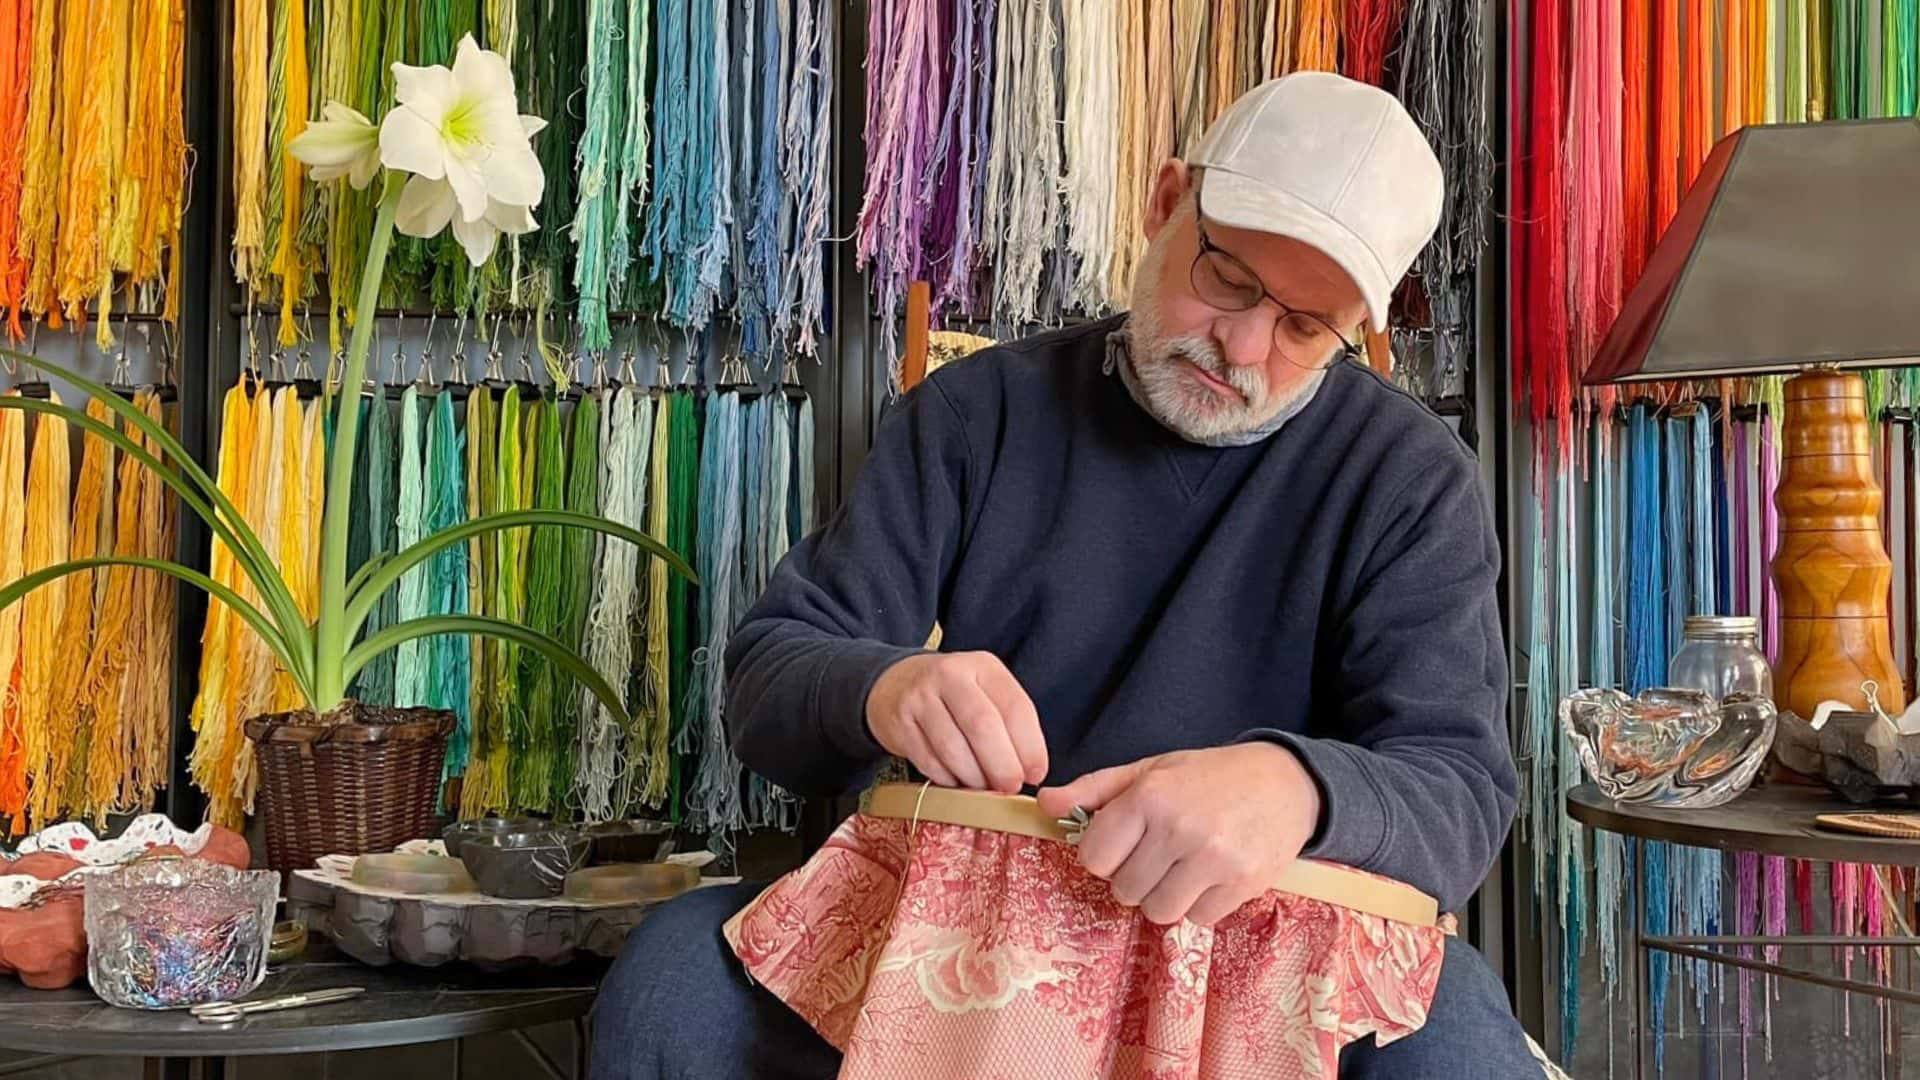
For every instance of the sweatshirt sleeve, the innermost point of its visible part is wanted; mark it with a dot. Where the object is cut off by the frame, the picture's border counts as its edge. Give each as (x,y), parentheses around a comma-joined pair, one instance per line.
(848,602)
(1416,778)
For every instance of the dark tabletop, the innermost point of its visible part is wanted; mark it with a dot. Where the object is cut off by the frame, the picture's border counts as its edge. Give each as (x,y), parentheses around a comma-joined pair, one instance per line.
(402,1005)
(1772,820)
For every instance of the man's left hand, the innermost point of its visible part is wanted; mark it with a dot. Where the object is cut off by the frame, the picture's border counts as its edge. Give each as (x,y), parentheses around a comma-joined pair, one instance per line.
(1196,833)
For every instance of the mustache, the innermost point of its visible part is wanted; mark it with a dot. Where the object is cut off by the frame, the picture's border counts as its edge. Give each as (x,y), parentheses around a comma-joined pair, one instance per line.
(1250,382)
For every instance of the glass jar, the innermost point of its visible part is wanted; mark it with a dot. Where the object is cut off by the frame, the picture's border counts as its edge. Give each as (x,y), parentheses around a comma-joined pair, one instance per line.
(168,932)
(1720,657)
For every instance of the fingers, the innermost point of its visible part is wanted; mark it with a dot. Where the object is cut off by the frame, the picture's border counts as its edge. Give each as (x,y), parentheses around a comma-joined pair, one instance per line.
(962,719)
(1174,894)
(1090,792)
(1144,870)
(1021,719)
(1219,902)
(1110,840)
(981,722)
(951,748)
(914,747)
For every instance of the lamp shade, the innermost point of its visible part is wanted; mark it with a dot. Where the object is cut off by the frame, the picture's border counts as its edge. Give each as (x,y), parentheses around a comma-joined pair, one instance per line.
(1797,245)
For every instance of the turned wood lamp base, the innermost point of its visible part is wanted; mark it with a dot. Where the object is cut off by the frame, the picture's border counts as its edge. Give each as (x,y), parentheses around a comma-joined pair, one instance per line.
(1831,570)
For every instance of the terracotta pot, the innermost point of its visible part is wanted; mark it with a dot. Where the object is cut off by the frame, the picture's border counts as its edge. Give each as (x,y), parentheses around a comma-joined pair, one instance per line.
(45,941)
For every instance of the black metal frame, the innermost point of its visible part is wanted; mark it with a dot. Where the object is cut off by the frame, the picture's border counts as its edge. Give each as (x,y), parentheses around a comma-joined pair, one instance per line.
(1701,947)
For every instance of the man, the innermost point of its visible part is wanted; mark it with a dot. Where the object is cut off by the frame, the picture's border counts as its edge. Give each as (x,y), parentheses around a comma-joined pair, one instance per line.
(1196,570)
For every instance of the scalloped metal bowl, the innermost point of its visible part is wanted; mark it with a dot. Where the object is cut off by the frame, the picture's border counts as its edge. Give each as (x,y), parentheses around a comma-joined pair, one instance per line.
(457,834)
(633,841)
(1669,747)
(528,865)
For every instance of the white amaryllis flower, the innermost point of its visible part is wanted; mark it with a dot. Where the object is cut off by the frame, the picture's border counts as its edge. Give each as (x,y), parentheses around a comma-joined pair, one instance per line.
(460,133)
(341,143)
(463,127)
(427,206)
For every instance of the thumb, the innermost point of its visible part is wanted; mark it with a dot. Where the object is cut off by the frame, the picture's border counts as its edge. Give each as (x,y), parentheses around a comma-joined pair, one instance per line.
(1090,792)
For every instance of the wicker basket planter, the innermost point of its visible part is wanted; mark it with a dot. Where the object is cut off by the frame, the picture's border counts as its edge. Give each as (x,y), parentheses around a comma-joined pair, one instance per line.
(359,779)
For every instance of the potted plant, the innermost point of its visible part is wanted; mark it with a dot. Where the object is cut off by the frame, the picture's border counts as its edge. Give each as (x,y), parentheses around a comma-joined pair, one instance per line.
(453,152)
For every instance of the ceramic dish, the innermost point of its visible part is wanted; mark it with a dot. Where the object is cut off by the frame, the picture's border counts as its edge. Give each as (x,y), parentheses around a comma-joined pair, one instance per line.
(415,874)
(525,865)
(631,881)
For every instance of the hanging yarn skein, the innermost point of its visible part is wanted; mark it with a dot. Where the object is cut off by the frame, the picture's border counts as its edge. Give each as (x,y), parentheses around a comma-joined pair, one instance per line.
(714,805)
(410,666)
(579,551)
(608,756)
(450,656)
(91,535)
(48,536)
(13,531)
(533,736)
(657,679)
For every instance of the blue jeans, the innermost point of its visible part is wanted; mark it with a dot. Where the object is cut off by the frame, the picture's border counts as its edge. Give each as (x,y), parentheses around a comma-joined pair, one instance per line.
(677,1006)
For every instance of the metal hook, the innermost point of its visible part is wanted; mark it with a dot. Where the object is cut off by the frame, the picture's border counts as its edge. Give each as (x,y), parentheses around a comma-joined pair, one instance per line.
(526,339)
(166,357)
(424,378)
(122,363)
(494,357)
(249,348)
(400,347)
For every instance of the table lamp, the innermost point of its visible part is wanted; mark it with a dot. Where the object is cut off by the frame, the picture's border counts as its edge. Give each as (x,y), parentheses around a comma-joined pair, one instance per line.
(1797,251)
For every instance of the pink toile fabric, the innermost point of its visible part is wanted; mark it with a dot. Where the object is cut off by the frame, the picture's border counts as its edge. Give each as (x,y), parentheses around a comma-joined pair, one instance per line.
(936,952)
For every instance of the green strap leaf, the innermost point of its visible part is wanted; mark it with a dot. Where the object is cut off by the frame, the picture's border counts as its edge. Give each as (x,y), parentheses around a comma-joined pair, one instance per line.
(374,562)
(259,568)
(169,446)
(271,634)
(484,626)
(360,603)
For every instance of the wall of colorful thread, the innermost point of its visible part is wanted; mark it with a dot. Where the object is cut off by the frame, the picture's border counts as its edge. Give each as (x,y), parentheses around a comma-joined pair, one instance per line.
(1644,507)
(723,472)
(1010,146)
(93,178)
(640,356)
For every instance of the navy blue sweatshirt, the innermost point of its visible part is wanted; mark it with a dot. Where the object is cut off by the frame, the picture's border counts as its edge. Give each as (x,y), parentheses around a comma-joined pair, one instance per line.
(1331,588)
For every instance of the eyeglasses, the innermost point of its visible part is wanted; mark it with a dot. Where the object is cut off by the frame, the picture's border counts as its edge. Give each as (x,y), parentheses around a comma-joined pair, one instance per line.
(1223,281)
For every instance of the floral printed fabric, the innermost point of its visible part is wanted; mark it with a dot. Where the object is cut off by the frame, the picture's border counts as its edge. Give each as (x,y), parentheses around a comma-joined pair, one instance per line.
(938,951)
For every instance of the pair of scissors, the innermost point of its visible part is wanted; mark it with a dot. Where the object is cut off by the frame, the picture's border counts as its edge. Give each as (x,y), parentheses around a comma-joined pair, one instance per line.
(230,1012)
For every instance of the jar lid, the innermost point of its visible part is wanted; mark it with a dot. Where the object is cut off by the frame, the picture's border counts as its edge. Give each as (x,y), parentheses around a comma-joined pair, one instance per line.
(1721,626)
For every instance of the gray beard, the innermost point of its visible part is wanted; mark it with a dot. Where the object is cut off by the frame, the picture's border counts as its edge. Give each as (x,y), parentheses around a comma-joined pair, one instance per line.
(1152,400)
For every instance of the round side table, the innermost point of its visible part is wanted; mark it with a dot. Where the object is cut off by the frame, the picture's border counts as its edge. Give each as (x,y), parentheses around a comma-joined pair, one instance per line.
(402,1006)
(1774,820)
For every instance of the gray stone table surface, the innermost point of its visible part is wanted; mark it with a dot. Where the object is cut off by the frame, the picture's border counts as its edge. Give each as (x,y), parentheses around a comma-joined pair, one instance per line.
(402,1006)
(1777,819)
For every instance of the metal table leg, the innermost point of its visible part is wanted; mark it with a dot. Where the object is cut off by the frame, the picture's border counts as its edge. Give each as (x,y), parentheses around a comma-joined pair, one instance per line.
(1641,992)
(185,1068)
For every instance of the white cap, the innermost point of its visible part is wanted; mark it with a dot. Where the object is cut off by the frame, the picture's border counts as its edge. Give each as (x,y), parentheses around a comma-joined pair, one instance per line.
(1332,163)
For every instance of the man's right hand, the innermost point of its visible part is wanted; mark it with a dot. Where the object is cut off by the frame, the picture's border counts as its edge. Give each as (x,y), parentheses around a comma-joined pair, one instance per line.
(962,719)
